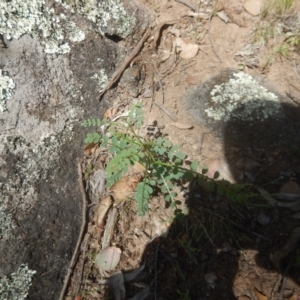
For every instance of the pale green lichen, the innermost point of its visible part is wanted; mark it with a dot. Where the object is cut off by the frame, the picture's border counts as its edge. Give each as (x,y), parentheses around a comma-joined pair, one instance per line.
(101,78)
(107,14)
(6,89)
(7,225)
(242,97)
(36,18)
(16,285)
(75,34)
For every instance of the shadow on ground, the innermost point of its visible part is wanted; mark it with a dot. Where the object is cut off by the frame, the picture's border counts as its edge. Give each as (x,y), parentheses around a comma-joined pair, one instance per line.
(229,248)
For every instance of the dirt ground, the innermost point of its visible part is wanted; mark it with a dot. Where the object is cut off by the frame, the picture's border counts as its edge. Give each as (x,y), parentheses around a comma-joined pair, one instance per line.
(220,250)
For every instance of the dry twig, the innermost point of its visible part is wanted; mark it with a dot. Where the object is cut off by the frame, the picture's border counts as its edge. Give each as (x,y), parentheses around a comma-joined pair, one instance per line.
(109,228)
(118,73)
(159,82)
(210,39)
(188,4)
(83,225)
(82,265)
(166,112)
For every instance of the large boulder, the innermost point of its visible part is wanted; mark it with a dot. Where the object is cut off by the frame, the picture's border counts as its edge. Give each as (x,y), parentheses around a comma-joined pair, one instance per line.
(55,59)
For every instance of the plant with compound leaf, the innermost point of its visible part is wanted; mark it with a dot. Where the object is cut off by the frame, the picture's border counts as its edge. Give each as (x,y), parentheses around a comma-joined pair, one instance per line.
(164,162)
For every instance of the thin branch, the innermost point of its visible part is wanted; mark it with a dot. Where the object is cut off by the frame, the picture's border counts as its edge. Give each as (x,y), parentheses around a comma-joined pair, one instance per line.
(118,73)
(166,111)
(188,4)
(82,265)
(210,39)
(159,82)
(83,225)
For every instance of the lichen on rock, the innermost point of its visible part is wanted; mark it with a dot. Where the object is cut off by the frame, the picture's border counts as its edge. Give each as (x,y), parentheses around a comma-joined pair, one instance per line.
(7,225)
(16,285)
(242,97)
(101,79)
(109,15)
(37,18)
(6,89)
(32,17)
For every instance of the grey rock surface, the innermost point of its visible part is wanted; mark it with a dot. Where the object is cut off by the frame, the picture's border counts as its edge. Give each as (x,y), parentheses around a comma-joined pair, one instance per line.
(41,139)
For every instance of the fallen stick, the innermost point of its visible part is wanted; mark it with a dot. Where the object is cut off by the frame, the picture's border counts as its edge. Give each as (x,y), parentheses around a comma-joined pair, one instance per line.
(188,4)
(211,41)
(109,229)
(82,265)
(166,112)
(118,73)
(202,15)
(83,223)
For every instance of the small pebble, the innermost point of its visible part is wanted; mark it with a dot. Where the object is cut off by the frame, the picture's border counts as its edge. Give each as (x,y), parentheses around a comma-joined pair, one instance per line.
(253,7)
(290,187)
(238,9)
(211,278)
(263,219)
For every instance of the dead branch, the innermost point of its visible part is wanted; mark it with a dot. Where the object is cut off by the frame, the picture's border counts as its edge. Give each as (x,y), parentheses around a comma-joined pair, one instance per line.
(85,246)
(166,111)
(118,73)
(83,225)
(188,4)
(211,41)
(110,224)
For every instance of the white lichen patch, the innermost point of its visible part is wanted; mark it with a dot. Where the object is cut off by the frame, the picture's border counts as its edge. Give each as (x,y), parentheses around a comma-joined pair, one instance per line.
(104,13)
(16,285)
(101,78)
(242,97)
(7,225)
(75,34)
(6,89)
(36,18)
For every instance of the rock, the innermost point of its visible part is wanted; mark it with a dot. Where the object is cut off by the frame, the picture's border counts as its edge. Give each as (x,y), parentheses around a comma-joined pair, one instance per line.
(253,7)
(247,164)
(211,279)
(243,298)
(290,187)
(288,293)
(131,80)
(238,9)
(40,139)
(237,109)
(263,219)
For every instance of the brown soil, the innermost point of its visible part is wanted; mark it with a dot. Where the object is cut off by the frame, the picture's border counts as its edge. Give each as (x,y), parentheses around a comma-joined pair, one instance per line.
(221,249)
